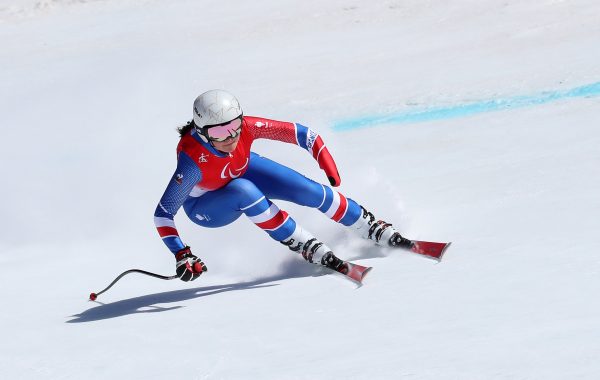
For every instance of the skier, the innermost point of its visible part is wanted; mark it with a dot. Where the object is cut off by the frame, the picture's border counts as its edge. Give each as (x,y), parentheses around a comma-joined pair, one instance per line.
(218,179)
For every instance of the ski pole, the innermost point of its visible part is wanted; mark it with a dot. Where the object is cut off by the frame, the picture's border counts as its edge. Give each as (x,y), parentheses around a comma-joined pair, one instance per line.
(93,296)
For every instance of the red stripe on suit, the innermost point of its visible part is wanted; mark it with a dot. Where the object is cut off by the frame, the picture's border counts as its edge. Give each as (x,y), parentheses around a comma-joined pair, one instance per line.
(167,231)
(274,222)
(339,214)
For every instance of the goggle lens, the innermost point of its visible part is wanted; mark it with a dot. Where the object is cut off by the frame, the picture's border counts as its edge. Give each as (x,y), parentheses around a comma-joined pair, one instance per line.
(224,131)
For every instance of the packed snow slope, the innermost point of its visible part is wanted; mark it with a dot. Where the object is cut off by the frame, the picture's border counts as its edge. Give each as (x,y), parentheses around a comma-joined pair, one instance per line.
(92,92)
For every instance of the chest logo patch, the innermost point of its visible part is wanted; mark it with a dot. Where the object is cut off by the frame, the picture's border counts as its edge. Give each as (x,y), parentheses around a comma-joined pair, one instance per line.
(236,172)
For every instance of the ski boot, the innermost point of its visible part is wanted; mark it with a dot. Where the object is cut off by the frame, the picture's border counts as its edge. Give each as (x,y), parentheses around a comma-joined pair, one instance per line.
(382,233)
(332,262)
(316,252)
(304,243)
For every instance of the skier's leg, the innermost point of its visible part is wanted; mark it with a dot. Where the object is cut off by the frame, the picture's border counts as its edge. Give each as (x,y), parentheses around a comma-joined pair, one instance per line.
(280,182)
(240,196)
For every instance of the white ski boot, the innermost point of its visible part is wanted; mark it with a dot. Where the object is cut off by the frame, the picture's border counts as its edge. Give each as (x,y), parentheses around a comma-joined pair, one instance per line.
(380,232)
(313,251)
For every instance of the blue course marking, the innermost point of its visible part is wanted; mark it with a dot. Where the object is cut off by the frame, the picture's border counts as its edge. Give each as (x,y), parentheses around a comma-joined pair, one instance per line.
(460,110)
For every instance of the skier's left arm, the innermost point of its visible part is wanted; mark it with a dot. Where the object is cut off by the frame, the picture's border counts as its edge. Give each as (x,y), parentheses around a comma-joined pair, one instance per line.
(298,134)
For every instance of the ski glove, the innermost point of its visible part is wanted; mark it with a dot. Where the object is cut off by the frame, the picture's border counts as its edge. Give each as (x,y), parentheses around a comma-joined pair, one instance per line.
(188,266)
(328,165)
(326,162)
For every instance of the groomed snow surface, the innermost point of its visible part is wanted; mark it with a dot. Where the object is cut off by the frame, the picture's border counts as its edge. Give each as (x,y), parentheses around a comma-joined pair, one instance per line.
(92,92)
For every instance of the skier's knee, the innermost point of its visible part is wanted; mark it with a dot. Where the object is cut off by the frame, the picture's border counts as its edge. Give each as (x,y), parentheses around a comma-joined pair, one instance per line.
(246,190)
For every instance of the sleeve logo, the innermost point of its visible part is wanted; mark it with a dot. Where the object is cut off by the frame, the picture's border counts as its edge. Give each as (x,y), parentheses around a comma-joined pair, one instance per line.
(310,139)
(178,178)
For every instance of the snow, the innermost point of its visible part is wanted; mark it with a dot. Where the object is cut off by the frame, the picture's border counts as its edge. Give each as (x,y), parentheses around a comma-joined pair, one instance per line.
(93,90)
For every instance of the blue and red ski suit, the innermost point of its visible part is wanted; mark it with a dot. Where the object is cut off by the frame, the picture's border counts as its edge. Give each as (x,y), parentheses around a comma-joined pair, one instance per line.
(215,188)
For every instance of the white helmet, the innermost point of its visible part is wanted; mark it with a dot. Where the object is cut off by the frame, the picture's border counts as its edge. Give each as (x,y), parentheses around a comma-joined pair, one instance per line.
(215,107)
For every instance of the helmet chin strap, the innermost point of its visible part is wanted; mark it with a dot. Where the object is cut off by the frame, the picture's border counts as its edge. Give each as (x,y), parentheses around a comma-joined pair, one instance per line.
(204,138)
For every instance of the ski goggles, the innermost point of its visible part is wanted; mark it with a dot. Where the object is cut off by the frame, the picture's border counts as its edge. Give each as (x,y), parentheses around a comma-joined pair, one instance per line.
(222,132)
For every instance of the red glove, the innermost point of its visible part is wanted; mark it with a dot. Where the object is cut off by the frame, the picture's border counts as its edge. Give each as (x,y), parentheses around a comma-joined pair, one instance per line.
(326,162)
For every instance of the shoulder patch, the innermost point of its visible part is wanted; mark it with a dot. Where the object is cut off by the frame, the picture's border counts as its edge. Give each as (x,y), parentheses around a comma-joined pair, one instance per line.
(178,178)
(311,138)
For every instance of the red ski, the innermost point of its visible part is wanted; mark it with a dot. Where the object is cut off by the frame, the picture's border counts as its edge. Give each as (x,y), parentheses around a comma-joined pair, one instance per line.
(429,249)
(354,272)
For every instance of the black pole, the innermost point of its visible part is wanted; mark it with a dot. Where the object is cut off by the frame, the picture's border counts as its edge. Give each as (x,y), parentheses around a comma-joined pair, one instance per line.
(93,296)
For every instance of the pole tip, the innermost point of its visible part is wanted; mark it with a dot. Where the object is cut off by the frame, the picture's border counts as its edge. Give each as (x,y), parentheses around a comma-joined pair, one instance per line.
(93,296)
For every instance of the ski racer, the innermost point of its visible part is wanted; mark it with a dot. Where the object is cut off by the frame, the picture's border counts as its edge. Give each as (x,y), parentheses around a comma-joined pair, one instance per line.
(218,178)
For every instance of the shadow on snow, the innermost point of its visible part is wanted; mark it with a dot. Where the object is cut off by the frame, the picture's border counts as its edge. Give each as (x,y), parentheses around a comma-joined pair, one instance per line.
(148,303)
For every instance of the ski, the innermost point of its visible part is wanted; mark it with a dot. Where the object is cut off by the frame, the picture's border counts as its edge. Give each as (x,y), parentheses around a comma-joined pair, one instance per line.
(429,249)
(354,272)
